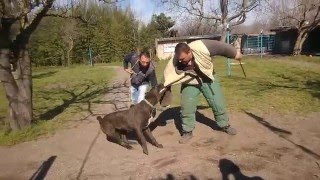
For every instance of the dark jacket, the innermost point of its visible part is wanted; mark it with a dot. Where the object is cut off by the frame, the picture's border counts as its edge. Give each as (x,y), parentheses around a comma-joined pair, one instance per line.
(142,75)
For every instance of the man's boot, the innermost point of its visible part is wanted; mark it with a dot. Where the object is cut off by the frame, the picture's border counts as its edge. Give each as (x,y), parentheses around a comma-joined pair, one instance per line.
(229,130)
(186,136)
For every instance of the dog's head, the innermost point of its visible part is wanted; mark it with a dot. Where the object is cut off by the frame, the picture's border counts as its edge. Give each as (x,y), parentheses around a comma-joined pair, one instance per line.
(155,94)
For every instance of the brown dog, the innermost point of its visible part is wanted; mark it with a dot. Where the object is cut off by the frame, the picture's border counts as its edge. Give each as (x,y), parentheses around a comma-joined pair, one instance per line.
(117,124)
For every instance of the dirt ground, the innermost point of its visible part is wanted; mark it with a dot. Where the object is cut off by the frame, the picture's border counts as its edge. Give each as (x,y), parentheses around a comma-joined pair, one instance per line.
(268,146)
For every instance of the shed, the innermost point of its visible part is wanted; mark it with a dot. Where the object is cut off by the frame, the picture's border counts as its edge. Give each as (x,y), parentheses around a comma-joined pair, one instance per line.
(286,38)
(165,46)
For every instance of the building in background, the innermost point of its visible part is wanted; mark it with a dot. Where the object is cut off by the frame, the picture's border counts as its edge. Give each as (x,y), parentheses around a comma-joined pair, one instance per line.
(285,39)
(253,44)
(165,46)
(280,40)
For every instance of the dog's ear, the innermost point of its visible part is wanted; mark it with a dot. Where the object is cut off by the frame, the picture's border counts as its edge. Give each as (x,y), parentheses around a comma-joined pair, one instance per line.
(152,96)
(160,88)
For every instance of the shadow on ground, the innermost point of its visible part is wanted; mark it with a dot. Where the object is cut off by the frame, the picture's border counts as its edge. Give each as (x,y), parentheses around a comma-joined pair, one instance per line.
(76,97)
(2,120)
(282,134)
(172,177)
(43,169)
(87,155)
(44,75)
(301,81)
(174,114)
(227,169)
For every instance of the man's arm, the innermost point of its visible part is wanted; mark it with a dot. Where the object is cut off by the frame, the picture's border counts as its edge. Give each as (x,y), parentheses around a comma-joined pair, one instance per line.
(222,49)
(126,62)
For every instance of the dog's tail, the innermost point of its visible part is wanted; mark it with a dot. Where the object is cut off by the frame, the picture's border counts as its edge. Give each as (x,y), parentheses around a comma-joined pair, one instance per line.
(99,118)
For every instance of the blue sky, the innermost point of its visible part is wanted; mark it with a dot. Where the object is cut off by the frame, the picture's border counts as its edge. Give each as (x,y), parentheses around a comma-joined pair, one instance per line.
(144,9)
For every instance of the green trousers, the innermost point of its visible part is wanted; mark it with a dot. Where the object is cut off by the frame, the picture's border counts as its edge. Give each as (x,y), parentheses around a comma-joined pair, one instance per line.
(189,101)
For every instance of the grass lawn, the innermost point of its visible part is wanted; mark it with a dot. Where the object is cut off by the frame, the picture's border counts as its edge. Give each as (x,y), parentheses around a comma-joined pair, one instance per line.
(58,95)
(281,84)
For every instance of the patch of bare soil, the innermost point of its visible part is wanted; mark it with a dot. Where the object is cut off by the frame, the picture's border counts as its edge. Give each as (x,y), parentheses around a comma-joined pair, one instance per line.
(267,146)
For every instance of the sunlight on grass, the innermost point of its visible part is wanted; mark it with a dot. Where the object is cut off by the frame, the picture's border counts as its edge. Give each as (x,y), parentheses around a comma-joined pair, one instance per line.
(282,84)
(59,94)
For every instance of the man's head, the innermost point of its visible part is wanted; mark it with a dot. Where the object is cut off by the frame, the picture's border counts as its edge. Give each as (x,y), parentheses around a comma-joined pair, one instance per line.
(183,53)
(144,59)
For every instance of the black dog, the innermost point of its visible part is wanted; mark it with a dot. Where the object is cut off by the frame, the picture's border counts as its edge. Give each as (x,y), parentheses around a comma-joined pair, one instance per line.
(116,125)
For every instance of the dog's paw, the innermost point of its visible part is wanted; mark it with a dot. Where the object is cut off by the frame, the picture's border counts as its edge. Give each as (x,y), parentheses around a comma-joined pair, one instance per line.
(159,146)
(128,146)
(146,152)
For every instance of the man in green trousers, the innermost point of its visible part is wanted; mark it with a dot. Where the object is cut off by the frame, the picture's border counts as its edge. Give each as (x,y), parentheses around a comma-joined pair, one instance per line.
(192,67)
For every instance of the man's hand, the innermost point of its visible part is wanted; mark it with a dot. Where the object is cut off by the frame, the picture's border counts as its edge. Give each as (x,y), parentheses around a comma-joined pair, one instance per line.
(129,70)
(238,56)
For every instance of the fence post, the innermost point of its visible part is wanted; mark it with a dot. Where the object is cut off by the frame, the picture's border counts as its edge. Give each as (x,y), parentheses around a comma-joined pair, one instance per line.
(261,42)
(90,56)
(268,43)
(228,60)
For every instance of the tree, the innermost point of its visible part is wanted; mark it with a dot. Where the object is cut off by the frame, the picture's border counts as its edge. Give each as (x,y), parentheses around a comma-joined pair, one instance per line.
(229,13)
(303,15)
(162,23)
(18,22)
(157,28)
(69,33)
(19,19)
(46,46)
(196,26)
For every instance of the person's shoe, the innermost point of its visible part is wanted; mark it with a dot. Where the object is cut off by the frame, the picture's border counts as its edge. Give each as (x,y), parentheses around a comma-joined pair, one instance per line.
(229,130)
(185,137)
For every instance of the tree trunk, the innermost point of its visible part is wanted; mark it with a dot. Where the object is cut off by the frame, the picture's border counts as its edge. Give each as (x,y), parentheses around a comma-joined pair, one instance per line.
(18,91)
(224,32)
(69,51)
(25,83)
(224,14)
(302,36)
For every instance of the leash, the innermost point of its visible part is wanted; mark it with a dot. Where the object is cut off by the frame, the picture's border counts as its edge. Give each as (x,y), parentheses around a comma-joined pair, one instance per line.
(152,106)
(153,111)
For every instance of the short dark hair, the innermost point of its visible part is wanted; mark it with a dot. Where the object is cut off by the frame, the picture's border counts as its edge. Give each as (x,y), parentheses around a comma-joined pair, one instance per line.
(181,47)
(145,54)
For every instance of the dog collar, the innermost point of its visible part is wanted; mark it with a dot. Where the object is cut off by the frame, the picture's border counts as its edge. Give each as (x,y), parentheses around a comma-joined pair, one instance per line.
(151,117)
(148,103)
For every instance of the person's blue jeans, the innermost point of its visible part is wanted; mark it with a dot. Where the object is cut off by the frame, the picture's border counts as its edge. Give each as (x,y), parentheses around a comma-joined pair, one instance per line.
(138,93)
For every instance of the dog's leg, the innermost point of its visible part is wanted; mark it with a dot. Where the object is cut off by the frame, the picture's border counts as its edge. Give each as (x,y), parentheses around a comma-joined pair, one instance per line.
(142,141)
(123,141)
(148,134)
(124,138)
(115,136)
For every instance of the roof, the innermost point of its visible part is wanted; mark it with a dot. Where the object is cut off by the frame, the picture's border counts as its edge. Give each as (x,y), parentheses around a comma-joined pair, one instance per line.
(283,28)
(188,38)
(286,28)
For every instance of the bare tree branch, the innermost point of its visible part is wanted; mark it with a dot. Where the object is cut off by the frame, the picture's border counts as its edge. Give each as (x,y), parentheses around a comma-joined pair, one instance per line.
(245,8)
(65,15)
(33,25)
(111,1)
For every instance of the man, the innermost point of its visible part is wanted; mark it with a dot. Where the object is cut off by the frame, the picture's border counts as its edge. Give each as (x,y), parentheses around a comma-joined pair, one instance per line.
(192,66)
(142,72)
